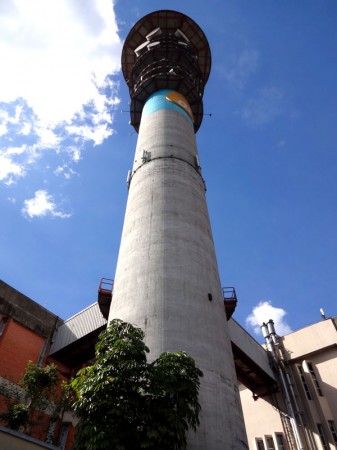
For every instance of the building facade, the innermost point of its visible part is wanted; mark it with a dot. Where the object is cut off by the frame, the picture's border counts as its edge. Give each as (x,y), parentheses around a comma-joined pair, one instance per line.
(27,331)
(302,412)
(288,387)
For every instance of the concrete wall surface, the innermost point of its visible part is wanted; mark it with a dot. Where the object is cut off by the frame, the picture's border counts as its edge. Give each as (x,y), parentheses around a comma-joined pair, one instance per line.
(242,339)
(24,310)
(311,339)
(13,440)
(167,280)
(261,417)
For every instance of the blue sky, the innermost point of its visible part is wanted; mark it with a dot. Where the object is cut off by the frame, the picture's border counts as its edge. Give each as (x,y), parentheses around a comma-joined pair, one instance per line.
(268,150)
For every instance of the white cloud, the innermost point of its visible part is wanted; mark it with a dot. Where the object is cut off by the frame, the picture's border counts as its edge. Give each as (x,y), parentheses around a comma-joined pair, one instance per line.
(42,205)
(10,170)
(96,134)
(58,54)
(56,88)
(265,311)
(66,171)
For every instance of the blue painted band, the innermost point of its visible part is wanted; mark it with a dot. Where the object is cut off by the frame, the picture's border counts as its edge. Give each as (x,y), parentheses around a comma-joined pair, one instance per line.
(158,101)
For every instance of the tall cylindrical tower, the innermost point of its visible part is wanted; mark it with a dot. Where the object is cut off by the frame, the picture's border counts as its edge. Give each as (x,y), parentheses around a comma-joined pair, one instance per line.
(167,279)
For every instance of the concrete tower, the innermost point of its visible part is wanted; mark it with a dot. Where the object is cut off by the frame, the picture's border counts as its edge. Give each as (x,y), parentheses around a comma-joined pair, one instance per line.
(167,279)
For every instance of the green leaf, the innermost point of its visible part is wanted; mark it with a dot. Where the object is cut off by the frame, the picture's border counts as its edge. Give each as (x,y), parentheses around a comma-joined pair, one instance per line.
(125,403)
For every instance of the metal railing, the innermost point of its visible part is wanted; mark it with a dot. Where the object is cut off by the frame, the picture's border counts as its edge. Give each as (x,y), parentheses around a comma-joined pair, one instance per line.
(105,286)
(229,293)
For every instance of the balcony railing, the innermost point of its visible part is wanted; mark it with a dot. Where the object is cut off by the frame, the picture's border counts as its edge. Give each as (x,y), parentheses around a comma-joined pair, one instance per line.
(230,300)
(104,296)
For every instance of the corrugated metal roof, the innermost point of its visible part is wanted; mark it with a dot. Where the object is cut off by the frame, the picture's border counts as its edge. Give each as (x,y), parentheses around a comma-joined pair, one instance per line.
(83,323)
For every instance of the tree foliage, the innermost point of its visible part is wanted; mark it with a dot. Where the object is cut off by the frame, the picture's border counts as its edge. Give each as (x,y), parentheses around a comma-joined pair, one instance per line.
(39,384)
(36,393)
(125,403)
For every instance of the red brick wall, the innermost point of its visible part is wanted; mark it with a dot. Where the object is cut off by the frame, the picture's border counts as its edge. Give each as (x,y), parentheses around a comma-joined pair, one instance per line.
(18,345)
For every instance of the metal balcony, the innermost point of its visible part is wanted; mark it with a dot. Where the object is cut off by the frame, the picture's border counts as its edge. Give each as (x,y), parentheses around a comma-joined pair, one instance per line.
(230,300)
(104,296)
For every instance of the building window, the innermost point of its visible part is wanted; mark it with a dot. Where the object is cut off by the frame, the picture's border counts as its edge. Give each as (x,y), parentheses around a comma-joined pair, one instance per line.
(322,436)
(64,435)
(333,430)
(280,441)
(270,443)
(259,444)
(314,378)
(304,382)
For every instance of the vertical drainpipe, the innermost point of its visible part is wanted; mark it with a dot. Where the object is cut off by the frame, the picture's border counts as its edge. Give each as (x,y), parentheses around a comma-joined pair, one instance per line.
(269,335)
(46,344)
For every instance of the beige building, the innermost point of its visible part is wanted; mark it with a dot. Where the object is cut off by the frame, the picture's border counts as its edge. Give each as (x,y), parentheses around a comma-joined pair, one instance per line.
(302,412)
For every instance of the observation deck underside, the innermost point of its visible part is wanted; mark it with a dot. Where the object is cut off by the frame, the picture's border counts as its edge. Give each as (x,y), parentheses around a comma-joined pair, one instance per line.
(166,50)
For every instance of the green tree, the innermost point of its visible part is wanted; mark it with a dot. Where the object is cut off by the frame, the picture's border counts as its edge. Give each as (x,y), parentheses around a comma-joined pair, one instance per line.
(39,384)
(125,403)
(172,401)
(36,394)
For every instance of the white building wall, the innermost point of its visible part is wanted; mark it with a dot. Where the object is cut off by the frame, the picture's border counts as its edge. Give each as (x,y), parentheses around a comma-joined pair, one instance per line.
(261,418)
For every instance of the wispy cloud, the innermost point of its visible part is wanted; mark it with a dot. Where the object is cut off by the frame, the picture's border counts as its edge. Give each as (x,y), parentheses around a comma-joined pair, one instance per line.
(66,171)
(57,90)
(41,205)
(264,107)
(265,311)
(240,67)
(266,103)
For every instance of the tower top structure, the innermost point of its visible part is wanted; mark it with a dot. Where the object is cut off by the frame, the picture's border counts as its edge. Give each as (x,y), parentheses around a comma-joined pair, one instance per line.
(166,50)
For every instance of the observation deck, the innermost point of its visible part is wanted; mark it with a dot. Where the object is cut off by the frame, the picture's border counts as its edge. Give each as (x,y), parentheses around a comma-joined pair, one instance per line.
(166,50)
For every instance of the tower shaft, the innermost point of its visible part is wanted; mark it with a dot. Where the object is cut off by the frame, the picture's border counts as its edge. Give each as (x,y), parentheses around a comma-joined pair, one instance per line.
(167,279)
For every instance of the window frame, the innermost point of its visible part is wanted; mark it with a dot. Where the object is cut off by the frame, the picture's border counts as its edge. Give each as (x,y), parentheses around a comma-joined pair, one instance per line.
(314,378)
(269,440)
(333,431)
(304,381)
(322,436)
(259,444)
(280,445)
